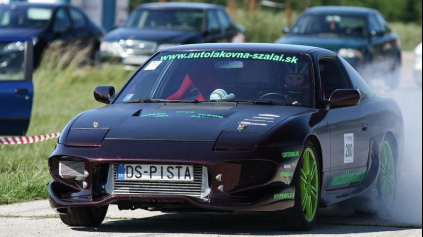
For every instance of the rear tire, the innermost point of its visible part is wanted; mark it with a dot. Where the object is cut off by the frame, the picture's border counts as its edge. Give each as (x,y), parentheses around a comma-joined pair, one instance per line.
(307,193)
(84,216)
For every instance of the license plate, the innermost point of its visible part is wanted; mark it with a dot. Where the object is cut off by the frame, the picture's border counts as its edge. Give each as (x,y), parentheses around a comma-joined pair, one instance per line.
(179,173)
(135,60)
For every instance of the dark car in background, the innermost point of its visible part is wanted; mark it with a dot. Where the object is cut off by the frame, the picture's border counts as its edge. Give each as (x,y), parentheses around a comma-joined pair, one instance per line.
(16,88)
(360,35)
(155,26)
(48,23)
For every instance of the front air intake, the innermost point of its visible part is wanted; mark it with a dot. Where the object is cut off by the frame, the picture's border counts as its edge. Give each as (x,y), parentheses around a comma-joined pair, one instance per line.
(72,169)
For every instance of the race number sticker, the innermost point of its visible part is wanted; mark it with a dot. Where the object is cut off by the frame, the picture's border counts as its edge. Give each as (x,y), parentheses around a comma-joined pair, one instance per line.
(349,148)
(153,65)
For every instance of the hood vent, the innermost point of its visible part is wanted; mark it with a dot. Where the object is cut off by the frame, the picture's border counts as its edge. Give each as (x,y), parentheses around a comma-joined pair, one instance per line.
(193,107)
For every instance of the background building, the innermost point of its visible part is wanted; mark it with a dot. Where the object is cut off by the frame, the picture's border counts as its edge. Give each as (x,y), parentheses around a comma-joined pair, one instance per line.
(108,13)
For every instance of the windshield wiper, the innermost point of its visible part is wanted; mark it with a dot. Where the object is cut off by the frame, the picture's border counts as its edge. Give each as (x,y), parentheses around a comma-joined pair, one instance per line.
(251,102)
(161,101)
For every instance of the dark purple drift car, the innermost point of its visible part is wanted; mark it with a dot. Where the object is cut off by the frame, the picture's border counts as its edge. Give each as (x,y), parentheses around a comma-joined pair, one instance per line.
(230,127)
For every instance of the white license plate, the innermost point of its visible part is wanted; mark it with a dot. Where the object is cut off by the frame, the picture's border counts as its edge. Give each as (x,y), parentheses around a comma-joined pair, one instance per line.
(179,173)
(135,60)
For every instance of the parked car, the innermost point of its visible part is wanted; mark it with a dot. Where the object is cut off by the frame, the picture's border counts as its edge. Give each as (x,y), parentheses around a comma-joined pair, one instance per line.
(155,26)
(47,23)
(230,127)
(418,65)
(16,88)
(360,35)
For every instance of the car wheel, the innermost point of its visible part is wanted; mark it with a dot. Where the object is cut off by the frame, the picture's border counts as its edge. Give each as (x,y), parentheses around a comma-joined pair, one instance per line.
(84,216)
(386,185)
(307,194)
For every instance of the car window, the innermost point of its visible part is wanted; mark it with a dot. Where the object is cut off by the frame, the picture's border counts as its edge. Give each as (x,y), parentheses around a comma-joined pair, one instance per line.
(375,25)
(331,24)
(78,19)
(12,59)
(283,78)
(331,77)
(213,22)
(191,20)
(224,22)
(358,82)
(385,26)
(62,21)
(25,17)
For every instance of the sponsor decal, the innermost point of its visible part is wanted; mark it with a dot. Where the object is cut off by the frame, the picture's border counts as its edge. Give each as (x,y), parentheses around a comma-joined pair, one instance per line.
(153,65)
(155,115)
(348,178)
(282,196)
(207,116)
(291,154)
(252,124)
(185,112)
(287,174)
(230,55)
(269,115)
(349,148)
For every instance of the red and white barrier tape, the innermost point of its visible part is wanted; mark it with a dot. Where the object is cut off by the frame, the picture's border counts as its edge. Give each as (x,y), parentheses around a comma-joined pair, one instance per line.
(27,140)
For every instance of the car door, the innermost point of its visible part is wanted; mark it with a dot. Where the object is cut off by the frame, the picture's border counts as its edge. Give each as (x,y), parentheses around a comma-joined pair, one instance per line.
(16,88)
(63,27)
(349,135)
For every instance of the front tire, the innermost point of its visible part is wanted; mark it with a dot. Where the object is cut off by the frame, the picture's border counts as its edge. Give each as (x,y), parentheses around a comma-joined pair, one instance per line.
(387,182)
(84,216)
(307,193)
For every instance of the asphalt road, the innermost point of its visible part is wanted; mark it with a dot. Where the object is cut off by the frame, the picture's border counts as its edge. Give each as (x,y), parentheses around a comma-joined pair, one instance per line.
(37,219)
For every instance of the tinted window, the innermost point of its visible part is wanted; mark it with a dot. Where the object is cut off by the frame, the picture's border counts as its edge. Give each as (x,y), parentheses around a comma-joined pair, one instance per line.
(12,59)
(213,23)
(62,21)
(167,19)
(224,22)
(25,17)
(375,25)
(358,82)
(331,76)
(325,24)
(78,19)
(279,77)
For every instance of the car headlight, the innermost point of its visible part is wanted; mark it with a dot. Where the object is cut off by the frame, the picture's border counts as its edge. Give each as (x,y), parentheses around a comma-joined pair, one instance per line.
(15,46)
(350,53)
(111,47)
(164,46)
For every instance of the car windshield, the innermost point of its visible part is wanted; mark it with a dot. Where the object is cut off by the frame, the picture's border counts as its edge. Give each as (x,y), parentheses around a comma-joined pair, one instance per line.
(191,20)
(332,25)
(214,76)
(24,17)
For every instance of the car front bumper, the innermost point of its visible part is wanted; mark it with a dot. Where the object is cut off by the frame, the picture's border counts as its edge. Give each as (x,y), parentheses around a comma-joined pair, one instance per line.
(256,180)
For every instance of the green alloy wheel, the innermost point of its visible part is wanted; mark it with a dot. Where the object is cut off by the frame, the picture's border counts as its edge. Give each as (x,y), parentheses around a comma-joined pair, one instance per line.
(309,184)
(387,176)
(307,196)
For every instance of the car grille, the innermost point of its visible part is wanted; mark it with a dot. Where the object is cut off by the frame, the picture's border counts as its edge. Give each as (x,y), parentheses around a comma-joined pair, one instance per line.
(192,189)
(137,47)
(255,173)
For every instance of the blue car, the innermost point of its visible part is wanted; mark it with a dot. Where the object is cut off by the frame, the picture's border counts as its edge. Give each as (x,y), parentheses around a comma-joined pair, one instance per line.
(16,87)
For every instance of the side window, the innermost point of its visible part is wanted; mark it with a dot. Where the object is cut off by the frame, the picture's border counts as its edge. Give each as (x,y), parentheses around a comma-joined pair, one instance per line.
(358,82)
(374,25)
(62,21)
(331,76)
(213,23)
(223,20)
(78,19)
(384,24)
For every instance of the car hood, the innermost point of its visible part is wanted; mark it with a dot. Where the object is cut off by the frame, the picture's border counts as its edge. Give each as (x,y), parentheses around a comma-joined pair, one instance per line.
(25,32)
(330,43)
(153,35)
(182,122)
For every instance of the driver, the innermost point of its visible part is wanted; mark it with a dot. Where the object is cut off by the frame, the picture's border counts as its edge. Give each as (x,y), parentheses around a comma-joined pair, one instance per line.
(295,84)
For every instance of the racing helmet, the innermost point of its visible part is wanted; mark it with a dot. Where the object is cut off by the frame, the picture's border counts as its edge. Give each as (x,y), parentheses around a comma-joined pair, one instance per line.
(295,77)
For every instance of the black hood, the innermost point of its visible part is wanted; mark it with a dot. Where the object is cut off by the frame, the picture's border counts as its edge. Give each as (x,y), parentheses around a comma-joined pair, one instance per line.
(183,122)
(155,35)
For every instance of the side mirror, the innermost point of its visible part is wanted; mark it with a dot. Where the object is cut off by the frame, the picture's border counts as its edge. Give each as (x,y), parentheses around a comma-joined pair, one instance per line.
(286,30)
(104,93)
(344,98)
